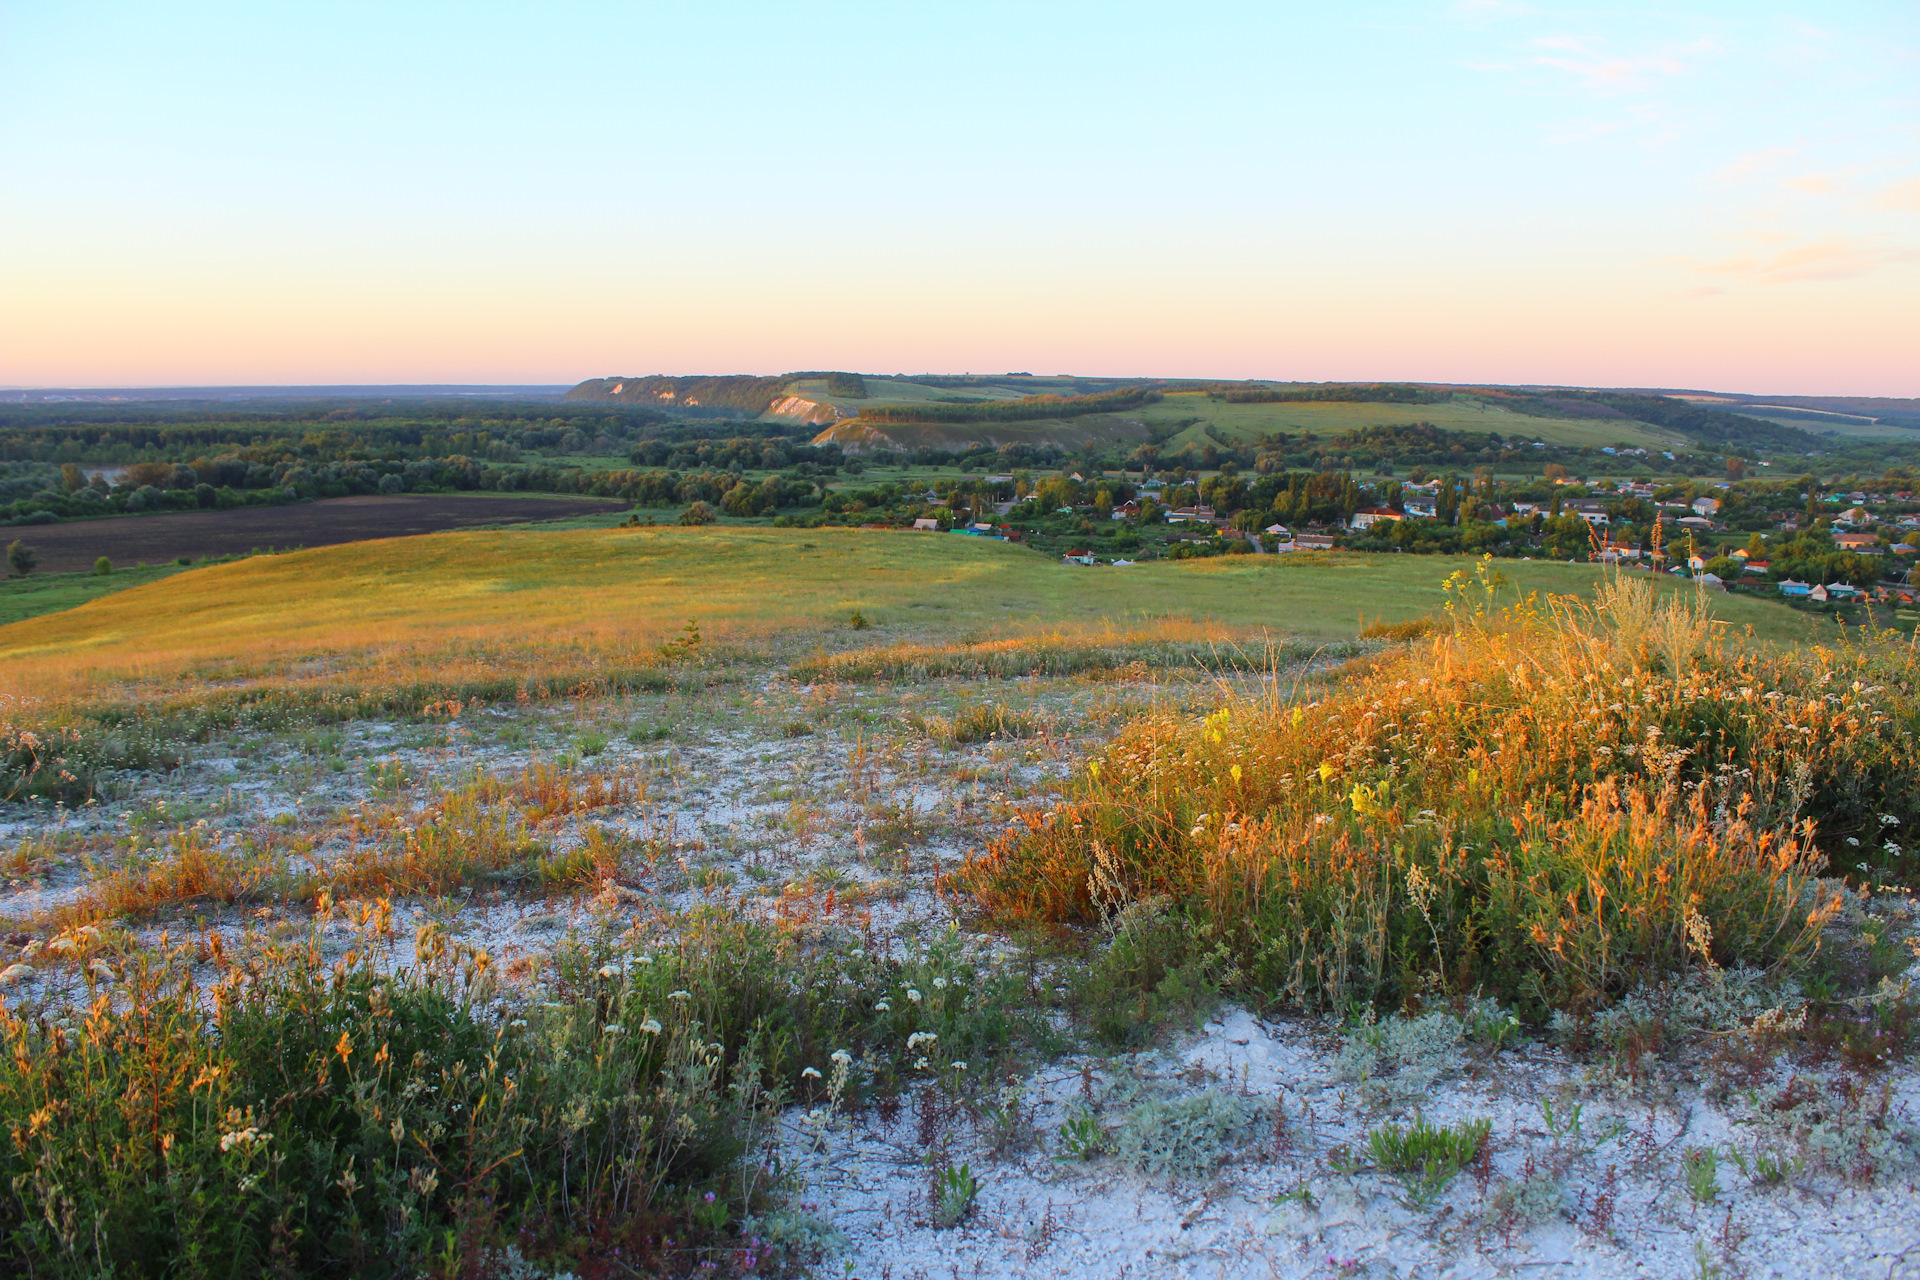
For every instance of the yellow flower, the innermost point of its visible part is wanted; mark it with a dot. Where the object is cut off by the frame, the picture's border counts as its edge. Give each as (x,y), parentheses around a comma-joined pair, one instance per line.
(344,1048)
(1326,770)
(1236,773)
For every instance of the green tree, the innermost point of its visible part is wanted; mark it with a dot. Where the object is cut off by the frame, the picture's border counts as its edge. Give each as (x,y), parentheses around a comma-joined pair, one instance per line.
(72,478)
(103,566)
(698,513)
(21,558)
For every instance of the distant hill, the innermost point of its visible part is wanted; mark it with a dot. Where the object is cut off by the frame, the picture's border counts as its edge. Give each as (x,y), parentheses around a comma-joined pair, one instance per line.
(864,412)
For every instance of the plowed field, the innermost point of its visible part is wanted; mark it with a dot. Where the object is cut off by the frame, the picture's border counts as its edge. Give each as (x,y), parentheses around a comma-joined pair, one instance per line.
(127,540)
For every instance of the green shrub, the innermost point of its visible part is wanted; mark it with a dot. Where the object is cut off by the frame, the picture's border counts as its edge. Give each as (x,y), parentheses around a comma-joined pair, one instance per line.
(298,1117)
(1183,1137)
(103,566)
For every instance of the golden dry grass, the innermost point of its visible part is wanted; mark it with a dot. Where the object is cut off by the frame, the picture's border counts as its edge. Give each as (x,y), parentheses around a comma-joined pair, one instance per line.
(493,606)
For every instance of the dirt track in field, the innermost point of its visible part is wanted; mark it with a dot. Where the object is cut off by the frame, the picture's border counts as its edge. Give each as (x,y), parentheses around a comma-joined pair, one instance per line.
(126,540)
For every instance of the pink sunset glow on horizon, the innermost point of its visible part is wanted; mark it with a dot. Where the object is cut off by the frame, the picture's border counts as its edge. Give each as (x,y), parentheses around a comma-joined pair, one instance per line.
(1441,193)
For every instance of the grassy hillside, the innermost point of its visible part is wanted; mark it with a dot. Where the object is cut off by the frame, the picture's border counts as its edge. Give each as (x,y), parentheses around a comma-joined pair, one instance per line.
(42,593)
(1248,422)
(487,605)
(1068,433)
(1207,420)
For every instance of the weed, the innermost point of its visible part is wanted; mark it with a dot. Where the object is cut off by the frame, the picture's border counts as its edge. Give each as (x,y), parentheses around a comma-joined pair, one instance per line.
(1400,1058)
(1536,1198)
(955,1190)
(1184,1137)
(1767,1166)
(1082,1137)
(1427,1157)
(1146,979)
(1700,1174)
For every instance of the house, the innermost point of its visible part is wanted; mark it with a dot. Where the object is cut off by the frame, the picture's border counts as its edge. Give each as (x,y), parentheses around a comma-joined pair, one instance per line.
(1712,580)
(927,522)
(1792,588)
(1277,530)
(1705,506)
(1128,510)
(1422,508)
(1367,517)
(1587,509)
(1181,514)
(1699,524)
(1313,542)
(1078,557)
(1755,566)
(1865,543)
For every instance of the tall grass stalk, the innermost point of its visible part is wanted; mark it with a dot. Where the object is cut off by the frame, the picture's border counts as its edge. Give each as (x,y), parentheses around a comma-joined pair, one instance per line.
(1552,801)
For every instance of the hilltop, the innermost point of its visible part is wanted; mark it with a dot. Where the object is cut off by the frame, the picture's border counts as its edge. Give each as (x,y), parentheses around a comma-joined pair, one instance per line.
(908,413)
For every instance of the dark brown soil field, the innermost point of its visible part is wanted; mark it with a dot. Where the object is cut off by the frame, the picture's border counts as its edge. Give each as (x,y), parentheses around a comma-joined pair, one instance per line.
(126,540)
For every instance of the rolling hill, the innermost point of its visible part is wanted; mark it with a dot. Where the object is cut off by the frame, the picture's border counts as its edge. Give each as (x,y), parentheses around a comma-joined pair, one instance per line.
(901,412)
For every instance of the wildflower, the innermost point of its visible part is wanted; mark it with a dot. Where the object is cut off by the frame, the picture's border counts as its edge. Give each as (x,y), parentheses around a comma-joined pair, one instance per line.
(958,1066)
(1326,770)
(16,973)
(913,995)
(811,1073)
(919,1038)
(613,1028)
(1235,771)
(881,1006)
(679,995)
(1854,842)
(1888,820)
(842,1057)
(344,1048)
(940,984)
(651,1027)
(920,1064)
(643,959)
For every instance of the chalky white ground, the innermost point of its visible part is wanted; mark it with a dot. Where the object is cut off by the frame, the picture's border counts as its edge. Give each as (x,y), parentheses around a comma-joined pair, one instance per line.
(871,1182)
(741,798)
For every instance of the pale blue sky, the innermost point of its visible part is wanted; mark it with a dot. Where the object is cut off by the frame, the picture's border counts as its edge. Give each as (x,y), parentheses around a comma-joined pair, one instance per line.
(1698,194)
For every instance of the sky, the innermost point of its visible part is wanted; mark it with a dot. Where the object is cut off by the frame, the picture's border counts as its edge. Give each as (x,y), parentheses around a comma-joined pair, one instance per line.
(1721,196)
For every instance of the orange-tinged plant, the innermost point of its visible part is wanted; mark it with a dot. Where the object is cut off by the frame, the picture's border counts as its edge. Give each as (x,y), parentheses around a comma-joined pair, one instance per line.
(1534,802)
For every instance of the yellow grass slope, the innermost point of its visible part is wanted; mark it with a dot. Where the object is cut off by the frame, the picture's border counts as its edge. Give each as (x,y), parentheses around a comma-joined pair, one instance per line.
(509,601)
